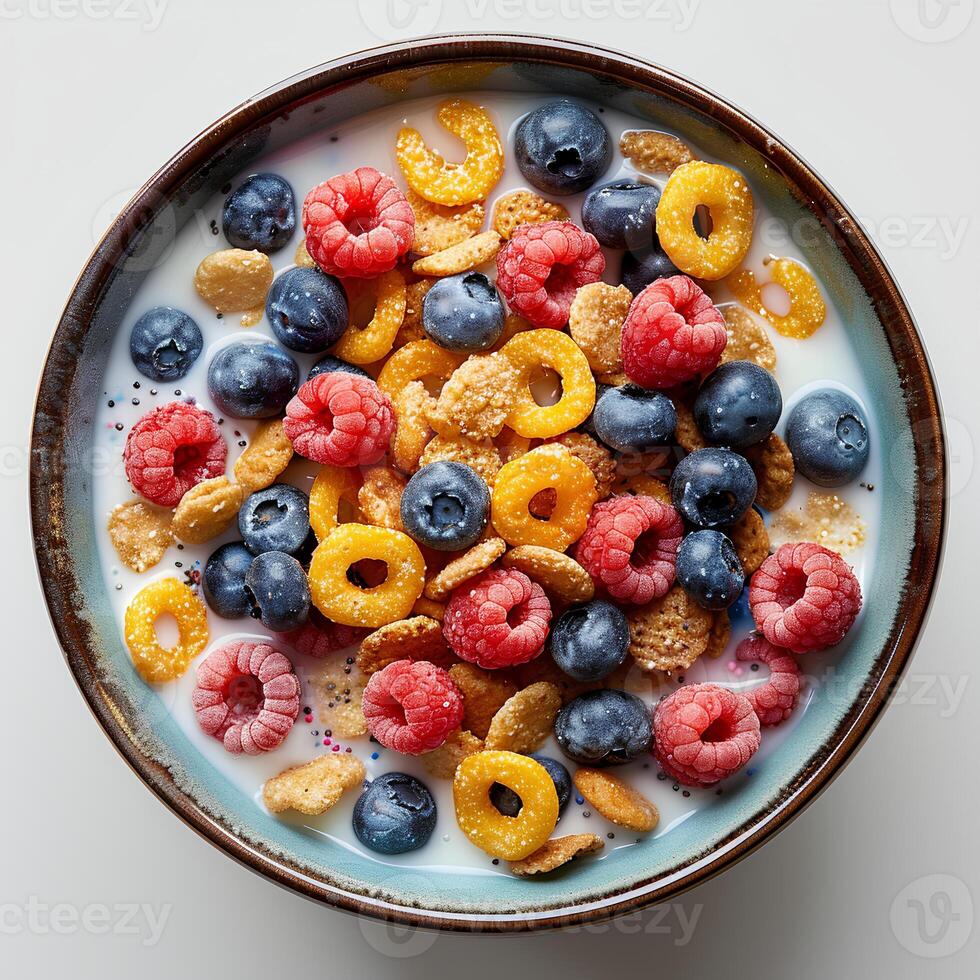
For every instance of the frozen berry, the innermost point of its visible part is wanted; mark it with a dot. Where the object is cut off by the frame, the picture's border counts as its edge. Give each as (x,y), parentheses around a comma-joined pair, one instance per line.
(279,590)
(562,147)
(622,214)
(634,419)
(738,405)
(712,487)
(704,733)
(328,364)
(165,343)
(542,267)
(709,570)
(224,580)
(395,814)
(412,706)
(340,419)
(629,547)
(509,803)
(827,433)
(276,518)
(639,269)
(672,334)
(260,213)
(804,597)
(589,641)
(604,728)
(775,700)
(445,506)
(252,380)
(500,618)
(172,449)
(307,310)
(463,313)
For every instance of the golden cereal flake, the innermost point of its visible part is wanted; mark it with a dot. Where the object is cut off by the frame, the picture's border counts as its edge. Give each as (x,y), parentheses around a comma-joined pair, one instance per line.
(747,338)
(440,226)
(652,152)
(313,787)
(477,398)
(557,852)
(140,533)
(207,510)
(461,257)
(338,688)
(523,207)
(235,281)
(595,321)
(825,519)
(267,455)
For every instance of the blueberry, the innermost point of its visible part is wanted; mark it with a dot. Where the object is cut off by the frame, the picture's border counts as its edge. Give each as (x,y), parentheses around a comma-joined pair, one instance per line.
(634,419)
(709,570)
(712,487)
(509,803)
(275,519)
(307,310)
(252,380)
(562,148)
(328,364)
(622,214)
(279,590)
(165,343)
(639,269)
(224,580)
(463,313)
(738,405)
(604,728)
(395,814)
(445,506)
(828,436)
(588,426)
(260,213)
(589,641)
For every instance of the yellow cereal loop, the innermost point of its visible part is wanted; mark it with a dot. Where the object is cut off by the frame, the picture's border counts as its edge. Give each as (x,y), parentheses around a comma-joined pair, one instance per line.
(341,601)
(432,177)
(510,838)
(807,309)
(531,352)
(153,661)
(364,345)
(333,486)
(417,361)
(726,195)
(550,467)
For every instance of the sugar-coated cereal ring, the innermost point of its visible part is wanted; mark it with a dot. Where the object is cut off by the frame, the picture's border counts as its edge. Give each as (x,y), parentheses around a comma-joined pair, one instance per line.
(510,838)
(333,485)
(807,310)
(364,345)
(417,361)
(341,601)
(726,194)
(431,177)
(547,467)
(156,663)
(532,351)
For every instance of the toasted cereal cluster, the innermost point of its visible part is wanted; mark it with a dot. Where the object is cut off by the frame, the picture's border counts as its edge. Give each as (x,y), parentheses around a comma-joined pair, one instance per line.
(591,423)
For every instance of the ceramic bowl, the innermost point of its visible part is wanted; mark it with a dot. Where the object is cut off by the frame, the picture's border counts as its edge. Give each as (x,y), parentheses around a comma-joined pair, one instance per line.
(880,329)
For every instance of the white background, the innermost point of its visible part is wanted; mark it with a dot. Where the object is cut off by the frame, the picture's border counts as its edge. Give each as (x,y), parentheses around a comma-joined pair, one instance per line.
(880,98)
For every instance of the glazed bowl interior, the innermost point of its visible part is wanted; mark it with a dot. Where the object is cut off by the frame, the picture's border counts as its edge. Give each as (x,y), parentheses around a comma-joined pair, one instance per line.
(306,108)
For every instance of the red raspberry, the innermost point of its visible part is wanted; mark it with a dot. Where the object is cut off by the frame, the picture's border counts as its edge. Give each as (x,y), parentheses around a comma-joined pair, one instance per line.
(172,449)
(340,419)
(542,266)
(319,636)
(630,546)
(358,224)
(498,619)
(673,333)
(775,700)
(412,706)
(247,696)
(804,597)
(703,733)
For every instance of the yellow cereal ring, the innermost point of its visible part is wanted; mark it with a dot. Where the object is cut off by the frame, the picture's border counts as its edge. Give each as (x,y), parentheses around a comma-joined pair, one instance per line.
(431,177)
(417,361)
(807,310)
(332,486)
(510,838)
(550,467)
(341,600)
(364,345)
(726,195)
(530,352)
(154,662)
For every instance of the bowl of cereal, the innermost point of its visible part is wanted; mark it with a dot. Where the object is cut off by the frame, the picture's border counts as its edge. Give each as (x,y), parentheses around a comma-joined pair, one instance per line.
(489,541)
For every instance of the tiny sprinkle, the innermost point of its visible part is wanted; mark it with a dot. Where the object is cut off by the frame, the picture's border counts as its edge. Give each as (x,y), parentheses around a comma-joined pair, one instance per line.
(326,741)
(675,787)
(611,835)
(495,861)
(316,733)
(335,748)
(686,793)
(375,755)
(754,667)
(178,564)
(579,800)
(119,427)
(136,384)
(177,392)
(136,401)
(586,813)
(112,404)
